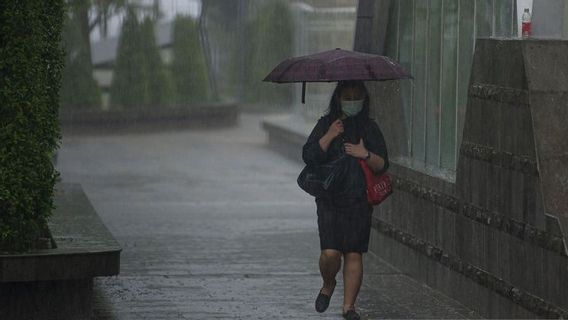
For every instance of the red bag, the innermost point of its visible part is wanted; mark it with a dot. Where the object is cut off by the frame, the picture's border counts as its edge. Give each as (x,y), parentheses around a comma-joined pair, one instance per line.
(378,187)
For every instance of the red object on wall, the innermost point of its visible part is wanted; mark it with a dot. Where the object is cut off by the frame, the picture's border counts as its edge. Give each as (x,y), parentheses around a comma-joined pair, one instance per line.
(526,24)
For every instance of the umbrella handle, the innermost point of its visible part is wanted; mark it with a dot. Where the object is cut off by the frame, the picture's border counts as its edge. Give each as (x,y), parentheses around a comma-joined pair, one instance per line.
(304,92)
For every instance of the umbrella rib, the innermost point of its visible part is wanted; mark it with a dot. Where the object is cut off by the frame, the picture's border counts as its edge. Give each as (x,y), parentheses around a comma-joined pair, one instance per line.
(371,73)
(391,66)
(288,68)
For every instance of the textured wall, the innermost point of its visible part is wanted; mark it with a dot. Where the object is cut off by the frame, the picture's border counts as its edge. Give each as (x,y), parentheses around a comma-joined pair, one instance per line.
(39,300)
(492,239)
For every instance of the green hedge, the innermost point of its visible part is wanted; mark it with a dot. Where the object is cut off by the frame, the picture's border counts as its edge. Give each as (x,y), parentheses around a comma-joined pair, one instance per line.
(31,62)
(128,88)
(189,69)
(271,36)
(159,82)
(79,90)
(140,78)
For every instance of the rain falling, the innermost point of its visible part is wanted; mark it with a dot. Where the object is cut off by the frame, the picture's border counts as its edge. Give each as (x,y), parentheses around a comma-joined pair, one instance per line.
(283,159)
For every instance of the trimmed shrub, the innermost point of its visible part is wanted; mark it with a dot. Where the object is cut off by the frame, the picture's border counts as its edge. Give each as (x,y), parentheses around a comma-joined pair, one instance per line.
(189,69)
(140,78)
(270,41)
(31,63)
(128,87)
(159,84)
(79,90)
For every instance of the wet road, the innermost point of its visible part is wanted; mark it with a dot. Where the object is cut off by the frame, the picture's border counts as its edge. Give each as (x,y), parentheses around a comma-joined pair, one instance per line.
(213,226)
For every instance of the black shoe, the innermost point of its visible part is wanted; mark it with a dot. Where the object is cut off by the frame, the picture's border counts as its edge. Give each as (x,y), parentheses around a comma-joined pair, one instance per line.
(322,301)
(351,314)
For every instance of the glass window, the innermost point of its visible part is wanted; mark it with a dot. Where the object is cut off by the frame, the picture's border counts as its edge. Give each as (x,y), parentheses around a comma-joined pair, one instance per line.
(433,91)
(465,57)
(435,40)
(483,18)
(448,82)
(405,54)
(420,60)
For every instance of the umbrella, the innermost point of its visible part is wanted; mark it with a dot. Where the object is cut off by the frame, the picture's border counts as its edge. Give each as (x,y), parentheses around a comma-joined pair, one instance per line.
(336,65)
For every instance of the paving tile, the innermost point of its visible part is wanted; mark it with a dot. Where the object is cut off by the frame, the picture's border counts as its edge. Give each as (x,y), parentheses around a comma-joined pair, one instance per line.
(213,226)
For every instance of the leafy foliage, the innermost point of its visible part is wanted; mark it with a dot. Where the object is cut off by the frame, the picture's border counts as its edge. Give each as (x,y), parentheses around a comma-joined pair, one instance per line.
(270,41)
(79,90)
(31,63)
(189,69)
(159,85)
(128,87)
(140,78)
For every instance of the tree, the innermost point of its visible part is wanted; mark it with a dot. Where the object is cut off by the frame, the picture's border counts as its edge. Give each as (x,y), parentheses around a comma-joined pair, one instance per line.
(128,87)
(103,10)
(159,84)
(87,15)
(222,22)
(79,89)
(270,36)
(140,78)
(31,62)
(188,65)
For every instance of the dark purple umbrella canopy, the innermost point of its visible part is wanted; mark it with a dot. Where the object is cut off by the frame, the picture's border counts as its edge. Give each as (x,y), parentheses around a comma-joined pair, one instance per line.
(337,65)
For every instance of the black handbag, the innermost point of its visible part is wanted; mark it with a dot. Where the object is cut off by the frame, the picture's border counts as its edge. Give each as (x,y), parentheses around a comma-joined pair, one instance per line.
(318,180)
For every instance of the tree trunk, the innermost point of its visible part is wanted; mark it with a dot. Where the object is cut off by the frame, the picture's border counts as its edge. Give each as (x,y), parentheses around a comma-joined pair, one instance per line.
(81,13)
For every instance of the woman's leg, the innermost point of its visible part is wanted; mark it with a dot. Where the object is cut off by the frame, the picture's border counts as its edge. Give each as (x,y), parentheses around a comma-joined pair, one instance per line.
(352,278)
(329,263)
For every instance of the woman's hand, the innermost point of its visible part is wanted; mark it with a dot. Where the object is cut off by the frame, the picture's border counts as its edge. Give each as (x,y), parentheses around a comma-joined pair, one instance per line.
(335,129)
(356,150)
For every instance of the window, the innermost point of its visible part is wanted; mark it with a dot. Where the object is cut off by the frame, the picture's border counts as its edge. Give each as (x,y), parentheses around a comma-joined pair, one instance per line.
(435,40)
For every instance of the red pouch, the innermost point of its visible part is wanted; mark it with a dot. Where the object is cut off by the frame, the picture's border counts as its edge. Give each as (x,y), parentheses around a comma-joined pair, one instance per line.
(379,187)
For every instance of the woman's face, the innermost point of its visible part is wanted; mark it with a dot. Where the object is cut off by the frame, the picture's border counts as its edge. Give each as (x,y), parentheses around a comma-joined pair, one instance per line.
(351,93)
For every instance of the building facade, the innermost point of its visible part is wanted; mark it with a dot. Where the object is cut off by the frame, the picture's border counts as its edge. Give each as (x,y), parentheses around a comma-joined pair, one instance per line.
(478,154)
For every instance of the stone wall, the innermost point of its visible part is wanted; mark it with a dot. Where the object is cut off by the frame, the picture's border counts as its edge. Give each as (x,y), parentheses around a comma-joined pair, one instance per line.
(57,283)
(492,239)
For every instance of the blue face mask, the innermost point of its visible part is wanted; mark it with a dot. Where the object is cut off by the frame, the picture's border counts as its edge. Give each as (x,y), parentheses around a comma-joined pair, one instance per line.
(351,107)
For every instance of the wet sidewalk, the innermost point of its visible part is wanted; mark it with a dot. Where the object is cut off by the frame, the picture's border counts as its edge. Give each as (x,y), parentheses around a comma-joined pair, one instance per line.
(213,226)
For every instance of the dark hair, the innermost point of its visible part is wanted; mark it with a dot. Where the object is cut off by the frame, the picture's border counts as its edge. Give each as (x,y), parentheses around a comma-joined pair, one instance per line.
(334,109)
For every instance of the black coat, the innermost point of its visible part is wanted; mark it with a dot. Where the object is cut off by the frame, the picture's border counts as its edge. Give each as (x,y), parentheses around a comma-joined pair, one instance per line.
(353,183)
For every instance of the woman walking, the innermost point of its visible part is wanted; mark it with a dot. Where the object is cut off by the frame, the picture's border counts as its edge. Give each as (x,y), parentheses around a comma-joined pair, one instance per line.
(344,215)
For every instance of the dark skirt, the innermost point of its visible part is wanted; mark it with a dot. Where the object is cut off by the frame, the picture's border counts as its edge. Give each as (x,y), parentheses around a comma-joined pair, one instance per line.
(344,225)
